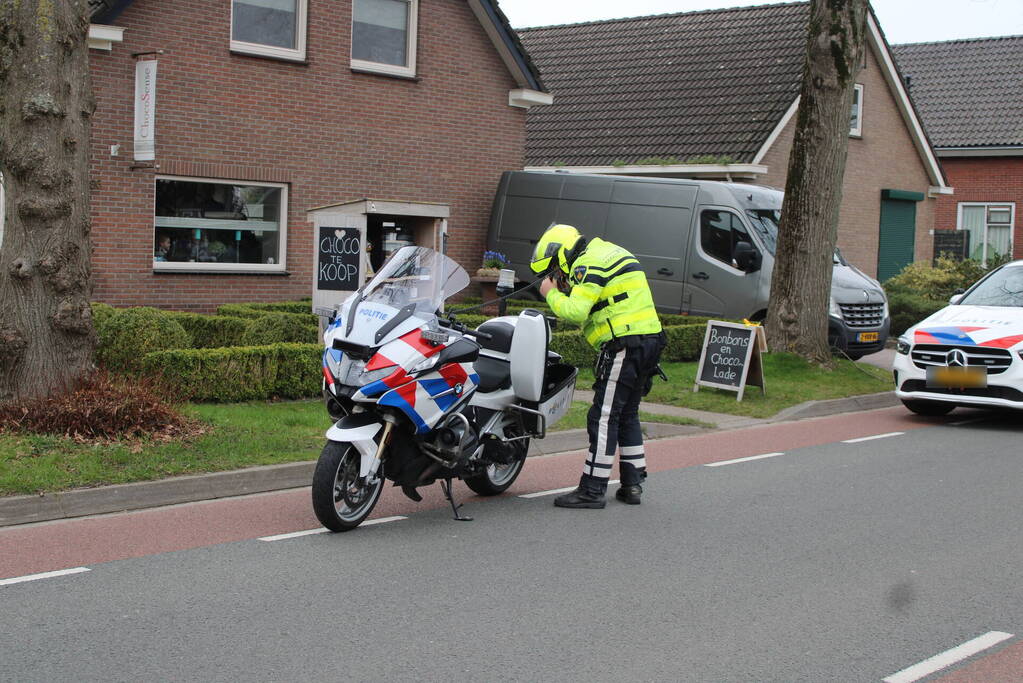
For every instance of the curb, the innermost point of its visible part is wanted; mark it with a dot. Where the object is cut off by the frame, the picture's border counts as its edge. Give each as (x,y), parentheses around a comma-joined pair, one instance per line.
(198,487)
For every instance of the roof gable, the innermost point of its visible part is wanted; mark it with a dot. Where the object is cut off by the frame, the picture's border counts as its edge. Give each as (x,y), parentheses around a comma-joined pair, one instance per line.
(684,86)
(968,92)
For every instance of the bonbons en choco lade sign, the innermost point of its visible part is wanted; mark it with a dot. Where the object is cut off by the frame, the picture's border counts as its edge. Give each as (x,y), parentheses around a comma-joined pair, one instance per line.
(731,357)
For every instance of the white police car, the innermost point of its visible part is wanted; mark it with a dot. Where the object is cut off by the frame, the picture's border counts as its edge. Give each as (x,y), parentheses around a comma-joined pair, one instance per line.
(969,353)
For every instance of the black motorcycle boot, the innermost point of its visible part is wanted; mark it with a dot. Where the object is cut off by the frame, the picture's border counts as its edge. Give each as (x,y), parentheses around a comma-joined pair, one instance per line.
(581,498)
(629,493)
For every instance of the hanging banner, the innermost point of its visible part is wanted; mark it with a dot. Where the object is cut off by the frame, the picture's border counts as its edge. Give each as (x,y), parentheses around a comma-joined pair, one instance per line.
(145,110)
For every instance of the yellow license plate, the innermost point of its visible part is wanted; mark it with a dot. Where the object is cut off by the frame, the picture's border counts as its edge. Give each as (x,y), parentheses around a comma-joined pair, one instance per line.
(957,378)
(866,336)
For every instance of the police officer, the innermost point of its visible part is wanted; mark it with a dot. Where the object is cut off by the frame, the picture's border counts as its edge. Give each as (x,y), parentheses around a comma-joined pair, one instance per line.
(610,298)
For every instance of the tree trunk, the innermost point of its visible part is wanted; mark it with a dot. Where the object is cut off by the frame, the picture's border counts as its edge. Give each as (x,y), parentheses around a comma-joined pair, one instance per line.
(46,102)
(797,317)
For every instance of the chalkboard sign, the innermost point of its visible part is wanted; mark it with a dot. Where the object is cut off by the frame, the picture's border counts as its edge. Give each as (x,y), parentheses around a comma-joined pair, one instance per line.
(731,357)
(339,254)
(954,244)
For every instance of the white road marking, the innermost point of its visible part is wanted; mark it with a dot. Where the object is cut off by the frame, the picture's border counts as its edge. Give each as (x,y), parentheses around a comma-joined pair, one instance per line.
(44,575)
(553,491)
(746,459)
(875,436)
(948,657)
(323,530)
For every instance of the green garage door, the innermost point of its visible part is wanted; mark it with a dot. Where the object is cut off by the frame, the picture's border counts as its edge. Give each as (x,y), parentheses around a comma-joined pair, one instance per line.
(898,231)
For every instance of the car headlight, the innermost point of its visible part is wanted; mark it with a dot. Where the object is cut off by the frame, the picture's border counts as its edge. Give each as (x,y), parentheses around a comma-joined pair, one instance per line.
(902,346)
(834,310)
(884,311)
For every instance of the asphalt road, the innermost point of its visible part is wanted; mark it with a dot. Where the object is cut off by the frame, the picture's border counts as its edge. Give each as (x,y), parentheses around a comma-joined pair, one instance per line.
(831,561)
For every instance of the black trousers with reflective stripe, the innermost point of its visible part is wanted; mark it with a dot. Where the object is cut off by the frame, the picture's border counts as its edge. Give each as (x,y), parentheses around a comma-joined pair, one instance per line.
(622,376)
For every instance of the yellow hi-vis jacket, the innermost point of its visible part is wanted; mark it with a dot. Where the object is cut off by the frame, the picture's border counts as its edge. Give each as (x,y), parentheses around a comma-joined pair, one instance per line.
(610,296)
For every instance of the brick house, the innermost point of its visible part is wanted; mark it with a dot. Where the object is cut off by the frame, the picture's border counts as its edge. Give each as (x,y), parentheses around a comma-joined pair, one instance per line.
(970,96)
(713,94)
(404,111)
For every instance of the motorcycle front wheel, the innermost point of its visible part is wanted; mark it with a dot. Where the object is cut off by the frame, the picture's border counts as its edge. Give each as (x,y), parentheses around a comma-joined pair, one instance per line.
(340,500)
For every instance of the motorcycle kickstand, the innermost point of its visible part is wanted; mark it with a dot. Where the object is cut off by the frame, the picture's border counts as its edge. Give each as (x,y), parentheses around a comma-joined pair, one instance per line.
(445,485)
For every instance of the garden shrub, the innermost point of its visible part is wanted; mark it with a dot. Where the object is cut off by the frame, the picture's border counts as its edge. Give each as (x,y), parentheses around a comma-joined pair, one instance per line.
(210,331)
(278,327)
(131,333)
(300,307)
(908,309)
(101,313)
(241,373)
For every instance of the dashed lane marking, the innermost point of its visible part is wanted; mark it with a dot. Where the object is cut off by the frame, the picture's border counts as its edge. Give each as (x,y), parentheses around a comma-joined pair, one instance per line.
(875,436)
(44,575)
(719,463)
(322,530)
(948,657)
(553,491)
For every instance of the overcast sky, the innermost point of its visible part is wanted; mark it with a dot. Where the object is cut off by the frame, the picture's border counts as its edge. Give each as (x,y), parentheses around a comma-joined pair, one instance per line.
(903,21)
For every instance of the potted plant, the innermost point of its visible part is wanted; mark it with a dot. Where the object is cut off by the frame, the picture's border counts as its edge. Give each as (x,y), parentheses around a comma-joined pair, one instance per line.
(493,262)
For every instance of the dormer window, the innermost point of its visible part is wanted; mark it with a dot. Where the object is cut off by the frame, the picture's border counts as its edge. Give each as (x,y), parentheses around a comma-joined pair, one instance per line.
(269,28)
(384,36)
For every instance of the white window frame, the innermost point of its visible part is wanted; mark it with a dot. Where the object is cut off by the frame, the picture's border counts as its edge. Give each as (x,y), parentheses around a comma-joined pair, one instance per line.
(199,268)
(294,55)
(1012,223)
(858,96)
(408,71)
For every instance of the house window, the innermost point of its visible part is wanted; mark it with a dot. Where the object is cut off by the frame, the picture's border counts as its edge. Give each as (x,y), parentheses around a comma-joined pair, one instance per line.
(856,116)
(720,231)
(219,225)
(384,36)
(990,228)
(270,28)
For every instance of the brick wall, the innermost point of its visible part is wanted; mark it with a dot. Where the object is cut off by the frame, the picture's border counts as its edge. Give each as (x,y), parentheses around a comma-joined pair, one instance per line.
(882,158)
(331,134)
(983,179)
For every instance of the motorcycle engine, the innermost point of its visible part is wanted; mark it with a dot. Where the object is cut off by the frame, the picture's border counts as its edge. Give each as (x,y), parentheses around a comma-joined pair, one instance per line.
(453,441)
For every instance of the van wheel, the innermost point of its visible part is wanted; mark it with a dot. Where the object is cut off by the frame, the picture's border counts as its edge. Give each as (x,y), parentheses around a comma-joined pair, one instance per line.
(929,408)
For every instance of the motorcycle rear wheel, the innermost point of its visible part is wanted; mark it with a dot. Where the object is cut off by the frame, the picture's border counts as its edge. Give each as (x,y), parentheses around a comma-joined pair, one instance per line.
(497,478)
(340,501)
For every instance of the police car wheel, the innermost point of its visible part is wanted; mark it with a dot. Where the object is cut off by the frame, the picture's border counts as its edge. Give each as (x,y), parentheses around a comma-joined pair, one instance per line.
(929,408)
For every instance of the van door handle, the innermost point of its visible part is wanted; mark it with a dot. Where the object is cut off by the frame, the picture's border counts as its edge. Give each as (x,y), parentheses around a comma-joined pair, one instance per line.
(701,276)
(665,271)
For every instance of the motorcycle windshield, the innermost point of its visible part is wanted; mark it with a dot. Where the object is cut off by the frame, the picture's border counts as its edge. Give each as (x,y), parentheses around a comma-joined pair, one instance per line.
(416,276)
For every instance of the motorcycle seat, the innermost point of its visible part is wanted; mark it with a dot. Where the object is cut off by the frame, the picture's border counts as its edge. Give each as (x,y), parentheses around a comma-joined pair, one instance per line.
(494,373)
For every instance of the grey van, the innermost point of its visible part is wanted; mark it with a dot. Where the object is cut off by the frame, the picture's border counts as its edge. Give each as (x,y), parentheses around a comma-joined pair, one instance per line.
(707,247)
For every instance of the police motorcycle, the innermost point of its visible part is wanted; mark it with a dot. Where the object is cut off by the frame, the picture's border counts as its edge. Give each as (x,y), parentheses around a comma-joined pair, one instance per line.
(419,398)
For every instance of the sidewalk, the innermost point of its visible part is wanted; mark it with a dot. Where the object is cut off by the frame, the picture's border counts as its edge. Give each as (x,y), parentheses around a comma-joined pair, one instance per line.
(188,489)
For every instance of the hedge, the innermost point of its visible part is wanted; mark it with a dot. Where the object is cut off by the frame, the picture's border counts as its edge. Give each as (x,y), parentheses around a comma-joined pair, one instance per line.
(249,312)
(241,373)
(278,327)
(210,331)
(131,333)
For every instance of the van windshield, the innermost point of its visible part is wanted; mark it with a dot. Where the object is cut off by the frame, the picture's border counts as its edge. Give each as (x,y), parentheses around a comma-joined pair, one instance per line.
(765,222)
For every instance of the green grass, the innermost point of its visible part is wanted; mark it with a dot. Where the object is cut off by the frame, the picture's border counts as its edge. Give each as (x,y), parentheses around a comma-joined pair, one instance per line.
(239,435)
(789,381)
(576,418)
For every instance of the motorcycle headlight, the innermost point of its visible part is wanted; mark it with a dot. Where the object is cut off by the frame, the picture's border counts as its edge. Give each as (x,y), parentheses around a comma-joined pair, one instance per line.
(834,310)
(425,365)
(371,376)
(902,346)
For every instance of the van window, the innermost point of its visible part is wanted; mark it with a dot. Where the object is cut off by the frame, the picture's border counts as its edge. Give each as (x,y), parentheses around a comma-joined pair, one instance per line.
(720,231)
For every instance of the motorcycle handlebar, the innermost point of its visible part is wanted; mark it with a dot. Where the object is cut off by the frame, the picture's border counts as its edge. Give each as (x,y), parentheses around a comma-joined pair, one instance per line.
(459,327)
